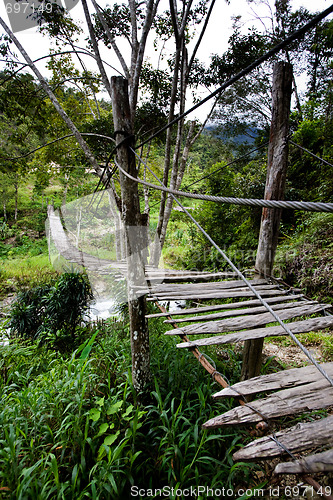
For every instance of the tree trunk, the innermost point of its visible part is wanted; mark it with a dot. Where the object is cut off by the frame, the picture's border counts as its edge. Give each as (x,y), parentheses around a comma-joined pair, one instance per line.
(16,199)
(135,234)
(275,185)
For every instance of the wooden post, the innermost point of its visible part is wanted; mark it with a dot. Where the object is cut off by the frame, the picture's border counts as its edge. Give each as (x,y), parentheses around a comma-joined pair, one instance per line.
(133,222)
(275,185)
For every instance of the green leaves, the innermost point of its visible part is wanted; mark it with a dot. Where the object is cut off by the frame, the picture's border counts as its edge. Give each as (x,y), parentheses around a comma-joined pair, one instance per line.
(52,312)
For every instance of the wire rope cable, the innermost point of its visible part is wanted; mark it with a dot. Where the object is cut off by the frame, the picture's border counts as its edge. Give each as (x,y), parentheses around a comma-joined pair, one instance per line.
(241,275)
(308,206)
(287,41)
(310,153)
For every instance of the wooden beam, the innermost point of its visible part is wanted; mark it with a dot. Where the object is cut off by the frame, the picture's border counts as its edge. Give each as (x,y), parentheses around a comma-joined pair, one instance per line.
(277,162)
(233,305)
(227,325)
(300,437)
(321,462)
(304,326)
(287,402)
(241,292)
(216,285)
(294,377)
(239,312)
(207,290)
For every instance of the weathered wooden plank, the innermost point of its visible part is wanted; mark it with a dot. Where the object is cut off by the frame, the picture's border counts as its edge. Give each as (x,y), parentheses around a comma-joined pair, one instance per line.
(233,305)
(220,294)
(275,381)
(227,325)
(304,326)
(208,290)
(287,402)
(188,277)
(239,312)
(216,285)
(321,462)
(298,438)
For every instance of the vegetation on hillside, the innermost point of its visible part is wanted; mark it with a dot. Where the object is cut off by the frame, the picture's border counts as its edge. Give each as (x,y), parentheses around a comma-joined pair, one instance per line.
(71,423)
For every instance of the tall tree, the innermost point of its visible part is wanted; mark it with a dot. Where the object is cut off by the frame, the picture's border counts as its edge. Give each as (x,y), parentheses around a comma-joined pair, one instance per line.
(133,23)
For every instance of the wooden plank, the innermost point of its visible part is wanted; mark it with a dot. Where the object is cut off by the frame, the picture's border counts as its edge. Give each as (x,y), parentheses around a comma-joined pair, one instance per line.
(208,290)
(321,462)
(220,295)
(233,305)
(227,325)
(298,438)
(188,277)
(275,381)
(304,326)
(239,312)
(287,402)
(216,285)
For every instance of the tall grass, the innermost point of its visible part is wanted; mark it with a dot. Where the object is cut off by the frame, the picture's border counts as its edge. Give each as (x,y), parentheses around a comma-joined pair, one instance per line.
(71,427)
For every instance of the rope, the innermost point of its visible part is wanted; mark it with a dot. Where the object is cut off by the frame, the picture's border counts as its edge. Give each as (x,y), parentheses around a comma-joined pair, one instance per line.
(240,274)
(294,36)
(308,206)
(309,152)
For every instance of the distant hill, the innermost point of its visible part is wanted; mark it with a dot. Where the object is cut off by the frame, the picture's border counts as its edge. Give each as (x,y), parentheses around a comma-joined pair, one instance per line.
(236,139)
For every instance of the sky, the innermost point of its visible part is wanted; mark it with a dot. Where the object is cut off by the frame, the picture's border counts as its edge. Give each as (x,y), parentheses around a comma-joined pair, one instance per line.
(215,40)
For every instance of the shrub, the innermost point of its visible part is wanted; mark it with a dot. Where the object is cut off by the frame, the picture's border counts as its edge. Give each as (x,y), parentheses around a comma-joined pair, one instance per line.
(52,312)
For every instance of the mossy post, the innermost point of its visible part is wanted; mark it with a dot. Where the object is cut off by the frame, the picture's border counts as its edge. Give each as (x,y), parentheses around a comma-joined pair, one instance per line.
(277,162)
(134,223)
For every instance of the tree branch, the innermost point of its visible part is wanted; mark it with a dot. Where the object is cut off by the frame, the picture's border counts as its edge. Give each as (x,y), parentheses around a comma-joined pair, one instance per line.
(90,157)
(197,45)
(150,14)
(95,47)
(100,15)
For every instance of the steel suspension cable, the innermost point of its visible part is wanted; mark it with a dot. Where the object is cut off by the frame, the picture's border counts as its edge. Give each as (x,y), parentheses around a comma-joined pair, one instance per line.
(240,274)
(310,153)
(308,206)
(294,36)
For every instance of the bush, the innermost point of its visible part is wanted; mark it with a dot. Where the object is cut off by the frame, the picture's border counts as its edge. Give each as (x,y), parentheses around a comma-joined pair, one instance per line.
(52,312)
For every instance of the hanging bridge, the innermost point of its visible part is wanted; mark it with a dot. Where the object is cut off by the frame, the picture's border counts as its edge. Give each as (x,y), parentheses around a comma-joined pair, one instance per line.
(237,314)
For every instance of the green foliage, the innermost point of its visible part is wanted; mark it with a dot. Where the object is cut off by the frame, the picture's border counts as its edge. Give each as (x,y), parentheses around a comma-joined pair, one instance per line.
(71,427)
(234,228)
(306,259)
(52,312)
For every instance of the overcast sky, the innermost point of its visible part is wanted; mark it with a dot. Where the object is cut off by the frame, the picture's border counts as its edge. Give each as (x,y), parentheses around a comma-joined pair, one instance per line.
(216,37)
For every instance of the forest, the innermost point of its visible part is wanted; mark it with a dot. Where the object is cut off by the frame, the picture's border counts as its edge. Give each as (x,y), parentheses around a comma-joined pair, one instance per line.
(82,413)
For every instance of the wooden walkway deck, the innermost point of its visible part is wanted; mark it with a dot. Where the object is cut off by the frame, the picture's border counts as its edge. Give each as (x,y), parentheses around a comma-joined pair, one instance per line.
(281,394)
(239,316)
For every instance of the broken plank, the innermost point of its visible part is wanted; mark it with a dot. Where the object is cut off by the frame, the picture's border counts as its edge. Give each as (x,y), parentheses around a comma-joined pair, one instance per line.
(233,305)
(275,381)
(287,402)
(298,438)
(321,462)
(304,326)
(220,295)
(227,325)
(239,312)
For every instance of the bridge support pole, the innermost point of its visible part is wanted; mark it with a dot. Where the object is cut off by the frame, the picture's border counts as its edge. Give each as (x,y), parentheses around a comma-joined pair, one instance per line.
(275,186)
(135,232)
